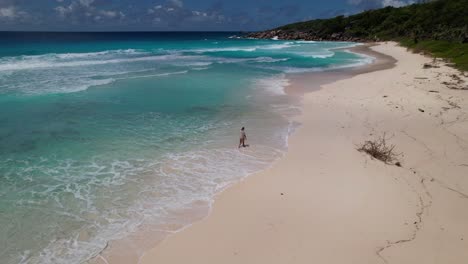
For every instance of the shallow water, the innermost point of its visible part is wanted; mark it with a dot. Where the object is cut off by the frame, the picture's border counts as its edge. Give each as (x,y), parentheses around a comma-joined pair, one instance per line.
(102,133)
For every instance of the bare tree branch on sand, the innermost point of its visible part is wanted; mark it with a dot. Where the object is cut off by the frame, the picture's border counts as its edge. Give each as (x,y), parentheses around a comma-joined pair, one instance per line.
(381,150)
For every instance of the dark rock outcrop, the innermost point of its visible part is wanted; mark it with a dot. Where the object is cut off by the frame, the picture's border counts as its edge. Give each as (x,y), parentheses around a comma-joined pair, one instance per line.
(299,35)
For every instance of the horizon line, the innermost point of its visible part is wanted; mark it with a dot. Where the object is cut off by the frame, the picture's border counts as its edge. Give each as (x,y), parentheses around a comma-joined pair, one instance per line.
(130,31)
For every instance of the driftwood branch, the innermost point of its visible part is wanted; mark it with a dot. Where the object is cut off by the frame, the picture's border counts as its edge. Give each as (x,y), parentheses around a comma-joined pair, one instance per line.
(381,150)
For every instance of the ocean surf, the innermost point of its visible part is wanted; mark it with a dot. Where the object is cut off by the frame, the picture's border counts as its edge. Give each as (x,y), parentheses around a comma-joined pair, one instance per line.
(102,137)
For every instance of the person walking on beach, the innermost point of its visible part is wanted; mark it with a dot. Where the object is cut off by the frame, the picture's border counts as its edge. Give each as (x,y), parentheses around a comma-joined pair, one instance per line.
(243,138)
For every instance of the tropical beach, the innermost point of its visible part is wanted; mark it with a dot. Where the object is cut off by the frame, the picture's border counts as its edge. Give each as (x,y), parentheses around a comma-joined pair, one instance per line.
(172,131)
(327,202)
(135,133)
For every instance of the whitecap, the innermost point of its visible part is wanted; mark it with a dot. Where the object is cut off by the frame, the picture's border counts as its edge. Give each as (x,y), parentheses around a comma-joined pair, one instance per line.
(200,68)
(249,49)
(277,46)
(324,55)
(153,75)
(275,84)
(99,53)
(246,49)
(305,41)
(269,59)
(16,64)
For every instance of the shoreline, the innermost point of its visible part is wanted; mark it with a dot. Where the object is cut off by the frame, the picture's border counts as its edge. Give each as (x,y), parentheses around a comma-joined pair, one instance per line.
(318,79)
(296,88)
(117,252)
(269,217)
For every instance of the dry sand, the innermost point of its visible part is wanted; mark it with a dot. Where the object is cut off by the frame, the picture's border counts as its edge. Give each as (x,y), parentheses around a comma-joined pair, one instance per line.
(325,202)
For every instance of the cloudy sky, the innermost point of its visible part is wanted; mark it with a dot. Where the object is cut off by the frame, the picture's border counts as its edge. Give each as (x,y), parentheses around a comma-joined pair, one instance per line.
(171,15)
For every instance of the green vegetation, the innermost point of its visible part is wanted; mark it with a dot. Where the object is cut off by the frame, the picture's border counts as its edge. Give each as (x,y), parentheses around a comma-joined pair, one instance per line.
(439,27)
(454,51)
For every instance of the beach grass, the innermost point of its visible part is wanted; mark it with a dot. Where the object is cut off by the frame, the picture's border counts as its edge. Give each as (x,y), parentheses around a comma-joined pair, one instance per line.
(455,52)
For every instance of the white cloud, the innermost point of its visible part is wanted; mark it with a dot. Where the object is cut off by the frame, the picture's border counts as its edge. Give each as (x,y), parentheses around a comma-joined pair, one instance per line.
(8,12)
(153,10)
(174,14)
(86,3)
(395,3)
(12,13)
(75,6)
(63,11)
(198,13)
(110,14)
(85,8)
(381,3)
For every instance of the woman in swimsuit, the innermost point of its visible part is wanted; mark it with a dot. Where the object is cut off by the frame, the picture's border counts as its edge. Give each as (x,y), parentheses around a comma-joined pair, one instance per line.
(243,138)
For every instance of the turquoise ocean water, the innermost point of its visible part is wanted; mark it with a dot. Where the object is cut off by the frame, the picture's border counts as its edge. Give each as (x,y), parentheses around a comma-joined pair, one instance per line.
(103,133)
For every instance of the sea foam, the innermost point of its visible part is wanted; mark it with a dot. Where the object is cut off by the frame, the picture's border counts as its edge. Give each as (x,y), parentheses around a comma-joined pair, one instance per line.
(85,167)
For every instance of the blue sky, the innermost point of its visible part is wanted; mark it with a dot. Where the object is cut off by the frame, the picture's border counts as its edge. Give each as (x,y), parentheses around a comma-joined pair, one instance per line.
(171,15)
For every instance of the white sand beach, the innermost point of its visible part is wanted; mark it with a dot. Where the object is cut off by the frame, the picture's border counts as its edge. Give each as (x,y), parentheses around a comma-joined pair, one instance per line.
(326,202)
